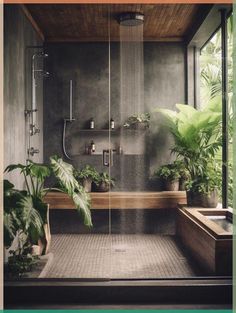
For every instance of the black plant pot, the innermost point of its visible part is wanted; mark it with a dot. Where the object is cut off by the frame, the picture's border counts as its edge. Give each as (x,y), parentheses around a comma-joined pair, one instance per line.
(102,187)
(198,199)
(171,185)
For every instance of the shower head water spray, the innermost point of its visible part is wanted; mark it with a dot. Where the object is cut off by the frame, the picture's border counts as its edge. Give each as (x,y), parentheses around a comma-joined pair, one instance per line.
(131,19)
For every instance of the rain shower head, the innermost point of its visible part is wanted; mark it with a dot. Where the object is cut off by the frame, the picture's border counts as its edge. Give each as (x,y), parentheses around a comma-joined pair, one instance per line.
(131,19)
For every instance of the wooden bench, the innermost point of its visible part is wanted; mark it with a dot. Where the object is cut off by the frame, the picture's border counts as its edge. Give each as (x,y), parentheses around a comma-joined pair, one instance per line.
(122,200)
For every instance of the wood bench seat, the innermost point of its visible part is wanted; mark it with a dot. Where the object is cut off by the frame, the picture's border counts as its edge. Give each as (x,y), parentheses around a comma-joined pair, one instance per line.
(122,200)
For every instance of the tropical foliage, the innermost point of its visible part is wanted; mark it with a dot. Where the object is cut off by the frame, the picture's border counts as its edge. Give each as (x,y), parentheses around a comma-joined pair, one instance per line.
(25,212)
(211,86)
(88,172)
(168,172)
(197,139)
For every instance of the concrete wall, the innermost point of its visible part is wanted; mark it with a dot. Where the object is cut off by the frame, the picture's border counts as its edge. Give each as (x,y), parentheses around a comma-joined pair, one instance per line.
(87,65)
(19,39)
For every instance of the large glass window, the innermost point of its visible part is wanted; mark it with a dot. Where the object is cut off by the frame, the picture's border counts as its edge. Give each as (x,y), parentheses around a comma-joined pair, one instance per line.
(211,87)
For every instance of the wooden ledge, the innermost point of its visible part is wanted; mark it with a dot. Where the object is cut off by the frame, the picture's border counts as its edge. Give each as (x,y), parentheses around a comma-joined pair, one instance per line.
(122,200)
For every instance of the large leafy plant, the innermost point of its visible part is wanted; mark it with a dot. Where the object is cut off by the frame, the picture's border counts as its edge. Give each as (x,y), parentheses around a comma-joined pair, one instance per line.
(25,212)
(197,137)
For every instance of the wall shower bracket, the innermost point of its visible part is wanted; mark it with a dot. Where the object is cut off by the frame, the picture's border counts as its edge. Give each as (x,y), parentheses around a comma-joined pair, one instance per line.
(29,112)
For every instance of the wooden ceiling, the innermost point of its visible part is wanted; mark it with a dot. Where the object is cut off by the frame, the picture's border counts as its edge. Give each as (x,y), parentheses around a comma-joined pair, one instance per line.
(89,22)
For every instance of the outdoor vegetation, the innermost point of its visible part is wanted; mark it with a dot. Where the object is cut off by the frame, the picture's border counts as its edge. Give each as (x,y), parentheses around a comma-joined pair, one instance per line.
(210,87)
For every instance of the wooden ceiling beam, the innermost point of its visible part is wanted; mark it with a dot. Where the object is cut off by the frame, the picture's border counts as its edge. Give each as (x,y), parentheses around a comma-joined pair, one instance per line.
(32,21)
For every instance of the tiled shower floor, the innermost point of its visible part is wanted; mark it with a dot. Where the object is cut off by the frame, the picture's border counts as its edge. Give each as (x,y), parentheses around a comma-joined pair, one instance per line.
(117,256)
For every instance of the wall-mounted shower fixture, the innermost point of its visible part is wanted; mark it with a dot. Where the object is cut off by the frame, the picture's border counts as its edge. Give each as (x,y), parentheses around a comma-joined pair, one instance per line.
(131,19)
(32,151)
(68,120)
(35,73)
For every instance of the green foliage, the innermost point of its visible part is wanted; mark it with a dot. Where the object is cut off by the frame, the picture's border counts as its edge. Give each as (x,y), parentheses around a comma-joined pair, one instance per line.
(19,264)
(104,178)
(20,215)
(211,87)
(35,175)
(88,172)
(197,136)
(64,173)
(168,172)
(25,212)
(133,120)
(206,183)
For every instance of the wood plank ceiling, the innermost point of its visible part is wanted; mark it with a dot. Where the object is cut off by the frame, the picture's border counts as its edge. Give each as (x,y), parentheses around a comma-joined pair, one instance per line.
(89,22)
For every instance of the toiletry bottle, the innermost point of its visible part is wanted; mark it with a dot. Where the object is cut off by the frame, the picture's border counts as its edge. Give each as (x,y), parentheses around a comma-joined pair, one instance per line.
(92,146)
(92,123)
(112,123)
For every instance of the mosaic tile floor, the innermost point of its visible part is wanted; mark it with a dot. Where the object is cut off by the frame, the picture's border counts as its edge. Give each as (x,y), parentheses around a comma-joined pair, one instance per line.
(117,256)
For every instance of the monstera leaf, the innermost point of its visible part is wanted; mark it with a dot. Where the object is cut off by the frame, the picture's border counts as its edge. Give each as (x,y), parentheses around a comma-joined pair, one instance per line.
(64,173)
(30,217)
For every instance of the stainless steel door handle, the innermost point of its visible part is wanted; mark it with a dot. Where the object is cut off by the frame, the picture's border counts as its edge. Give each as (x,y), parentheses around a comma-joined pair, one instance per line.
(105,157)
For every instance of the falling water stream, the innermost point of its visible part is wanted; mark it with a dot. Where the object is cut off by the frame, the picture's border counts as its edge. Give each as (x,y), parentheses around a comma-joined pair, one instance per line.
(131,103)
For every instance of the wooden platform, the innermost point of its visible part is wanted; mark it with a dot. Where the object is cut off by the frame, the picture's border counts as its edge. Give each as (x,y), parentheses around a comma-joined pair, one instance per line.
(122,200)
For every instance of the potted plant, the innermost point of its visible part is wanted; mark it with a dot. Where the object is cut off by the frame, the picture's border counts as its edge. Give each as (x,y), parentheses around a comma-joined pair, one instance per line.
(184,175)
(22,224)
(138,121)
(203,190)
(103,182)
(33,197)
(197,136)
(170,176)
(86,176)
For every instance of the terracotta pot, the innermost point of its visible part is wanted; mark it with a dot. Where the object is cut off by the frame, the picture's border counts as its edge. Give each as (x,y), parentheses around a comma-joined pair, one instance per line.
(87,184)
(44,243)
(197,199)
(171,185)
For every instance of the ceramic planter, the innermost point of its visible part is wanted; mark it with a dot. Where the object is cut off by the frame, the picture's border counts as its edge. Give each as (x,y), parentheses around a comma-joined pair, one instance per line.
(197,199)
(171,185)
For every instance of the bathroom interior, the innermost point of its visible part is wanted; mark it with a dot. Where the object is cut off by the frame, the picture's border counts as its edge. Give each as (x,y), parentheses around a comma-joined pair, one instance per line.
(76,76)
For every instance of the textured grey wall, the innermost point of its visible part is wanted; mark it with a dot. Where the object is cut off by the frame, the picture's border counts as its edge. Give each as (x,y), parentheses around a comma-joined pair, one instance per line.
(87,65)
(19,36)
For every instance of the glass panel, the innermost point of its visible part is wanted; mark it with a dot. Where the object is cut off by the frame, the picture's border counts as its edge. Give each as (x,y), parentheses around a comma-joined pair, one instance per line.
(211,91)
(76,128)
(145,231)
